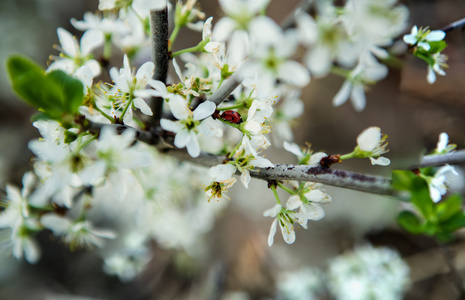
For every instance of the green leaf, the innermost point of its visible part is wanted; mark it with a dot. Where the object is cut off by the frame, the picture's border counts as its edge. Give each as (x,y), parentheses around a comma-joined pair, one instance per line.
(422,200)
(56,94)
(449,207)
(27,80)
(402,180)
(454,223)
(410,222)
(437,46)
(70,90)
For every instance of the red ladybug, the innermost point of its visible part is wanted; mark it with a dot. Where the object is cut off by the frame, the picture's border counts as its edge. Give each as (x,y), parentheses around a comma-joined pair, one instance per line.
(231,116)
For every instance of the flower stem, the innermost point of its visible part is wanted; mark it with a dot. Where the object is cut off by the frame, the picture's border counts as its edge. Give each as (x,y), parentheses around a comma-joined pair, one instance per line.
(273,188)
(240,105)
(191,49)
(347,156)
(286,188)
(173,36)
(111,119)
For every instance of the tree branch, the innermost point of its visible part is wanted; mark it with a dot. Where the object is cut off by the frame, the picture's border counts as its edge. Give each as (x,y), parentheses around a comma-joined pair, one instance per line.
(289,21)
(226,88)
(457,24)
(339,178)
(454,158)
(160,57)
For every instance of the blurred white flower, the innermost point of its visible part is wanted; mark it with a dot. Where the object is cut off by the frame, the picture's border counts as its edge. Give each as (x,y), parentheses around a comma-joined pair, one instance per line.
(76,233)
(305,283)
(368,273)
(438,183)
(74,55)
(439,62)
(443,146)
(421,37)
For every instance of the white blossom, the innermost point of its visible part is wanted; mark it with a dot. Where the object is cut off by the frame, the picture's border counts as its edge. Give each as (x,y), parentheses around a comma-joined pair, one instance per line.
(190,124)
(437,184)
(74,55)
(373,145)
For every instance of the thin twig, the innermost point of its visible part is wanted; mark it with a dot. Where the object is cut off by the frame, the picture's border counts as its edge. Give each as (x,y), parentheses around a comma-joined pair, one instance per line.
(339,178)
(457,24)
(226,88)
(289,21)
(454,158)
(160,57)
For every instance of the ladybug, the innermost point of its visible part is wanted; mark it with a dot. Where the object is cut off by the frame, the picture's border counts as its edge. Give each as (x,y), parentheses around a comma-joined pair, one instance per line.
(231,116)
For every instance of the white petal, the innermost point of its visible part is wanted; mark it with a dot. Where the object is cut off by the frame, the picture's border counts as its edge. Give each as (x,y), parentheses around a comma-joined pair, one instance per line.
(435,35)
(145,72)
(358,97)
(193,147)
(31,250)
(221,173)
(319,61)
(94,66)
(381,161)
(210,127)
(434,193)
(410,39)
(293,148)
(57,224)
(171,125)
(369,138)
(288,232)
(144,108)
(294,73)
(179,108)
(178,70)
(204,110)
(313,211)
(261,162)
(316,158)
(273,212)
(343,94)
(443,141)
(293,202)
(272,233)
(315,195)
(91,40)
(431,77)
(67,41)
(245,178)
(223,29)
(182,138)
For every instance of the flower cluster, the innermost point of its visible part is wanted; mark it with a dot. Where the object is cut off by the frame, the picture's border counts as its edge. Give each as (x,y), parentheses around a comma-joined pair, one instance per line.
(90,165)
(427,45)
(367,272)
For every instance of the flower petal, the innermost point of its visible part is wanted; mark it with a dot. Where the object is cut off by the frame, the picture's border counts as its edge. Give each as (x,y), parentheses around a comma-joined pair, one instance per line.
(204,110)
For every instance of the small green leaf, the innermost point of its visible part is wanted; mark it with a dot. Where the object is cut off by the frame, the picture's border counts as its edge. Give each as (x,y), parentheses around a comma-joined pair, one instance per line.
(454,223)
(437,46)
(70,88)
(410,222)
(402,180)
(422,200)
(449,207)
(27,80)
(70,136)
(55,94)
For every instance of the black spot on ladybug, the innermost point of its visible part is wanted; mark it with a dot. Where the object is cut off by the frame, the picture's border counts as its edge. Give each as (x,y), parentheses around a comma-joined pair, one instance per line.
(231,116)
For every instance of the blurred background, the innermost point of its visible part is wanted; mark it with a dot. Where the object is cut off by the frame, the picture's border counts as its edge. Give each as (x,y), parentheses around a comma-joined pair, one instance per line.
(236,262)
